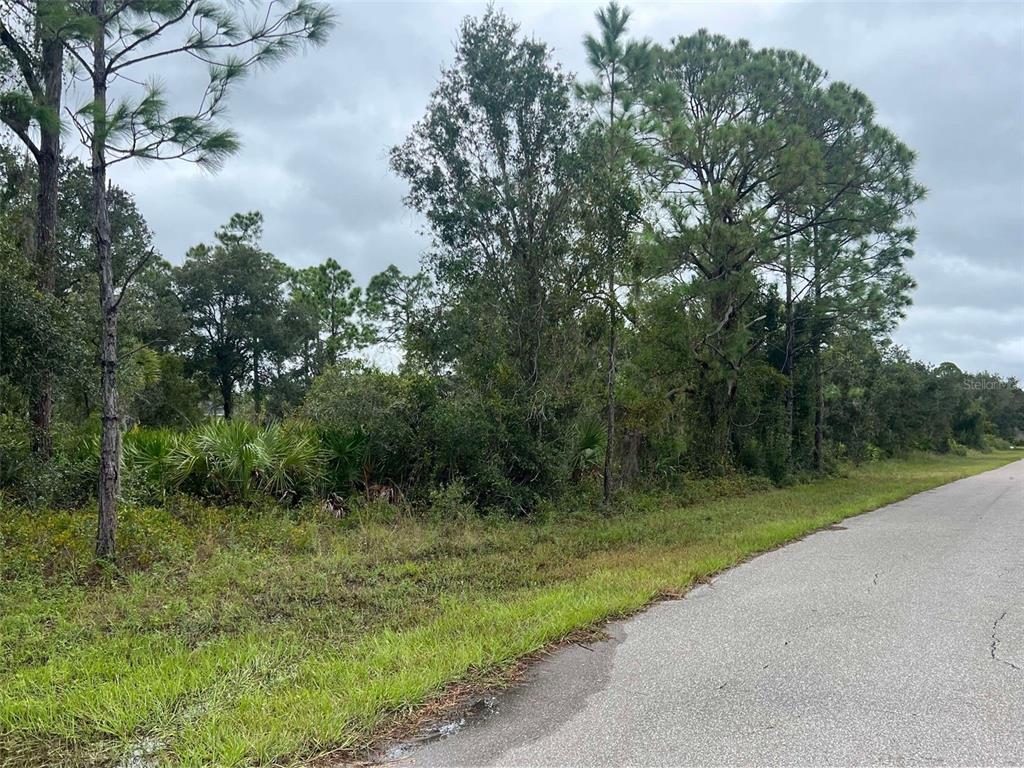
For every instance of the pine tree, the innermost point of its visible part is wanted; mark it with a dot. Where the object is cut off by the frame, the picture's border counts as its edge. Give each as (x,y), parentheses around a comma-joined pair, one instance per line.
(108,41)
(612,58)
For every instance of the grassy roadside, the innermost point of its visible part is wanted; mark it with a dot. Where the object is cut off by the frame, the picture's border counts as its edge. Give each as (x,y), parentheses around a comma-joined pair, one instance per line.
(240,639)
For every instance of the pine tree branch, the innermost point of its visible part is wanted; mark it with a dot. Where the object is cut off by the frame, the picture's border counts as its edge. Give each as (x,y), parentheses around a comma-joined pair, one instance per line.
(154,32)
(23,60)
(21,131)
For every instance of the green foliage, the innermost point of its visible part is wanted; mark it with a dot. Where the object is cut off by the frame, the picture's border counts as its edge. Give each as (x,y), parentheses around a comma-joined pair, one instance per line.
(68,478)
(233,296)
(493,166)
(14,446)
(451,503)
(750,144)
(374,415)
(416,432)
(884,399)
(171,399)
(142,123)
(347,456)
(293,467)
(653,249)
(954,448)
(150,459)
(588,446)
(996,443)
(237,460)
(323,301)
(395,305)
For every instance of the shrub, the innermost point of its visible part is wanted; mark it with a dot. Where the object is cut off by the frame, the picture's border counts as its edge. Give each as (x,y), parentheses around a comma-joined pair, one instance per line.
(451,502)
(233,460)
(346,458)
(587,453)
(374,410)
(171,399)
(419,432)
(952,446)
(14,450)
(295,461)
(149,456)
(996,443)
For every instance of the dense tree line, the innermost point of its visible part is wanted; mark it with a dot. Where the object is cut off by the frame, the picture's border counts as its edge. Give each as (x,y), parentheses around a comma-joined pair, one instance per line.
(688,262)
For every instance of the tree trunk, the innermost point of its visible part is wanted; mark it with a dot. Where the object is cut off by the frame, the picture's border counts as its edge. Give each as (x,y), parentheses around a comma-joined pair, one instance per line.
(720,376)
(819,391)
(609,447)
(789,363)
(257,391)
(530,362)
(227,396)
(631,457)
(610,213)
(52,67)
(110,438)
(819,409)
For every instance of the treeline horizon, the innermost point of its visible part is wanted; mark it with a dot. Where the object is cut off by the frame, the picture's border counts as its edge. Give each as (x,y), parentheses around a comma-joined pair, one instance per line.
(688,261)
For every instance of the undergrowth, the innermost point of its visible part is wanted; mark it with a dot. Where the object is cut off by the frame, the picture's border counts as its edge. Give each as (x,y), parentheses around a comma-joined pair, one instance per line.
(258,635)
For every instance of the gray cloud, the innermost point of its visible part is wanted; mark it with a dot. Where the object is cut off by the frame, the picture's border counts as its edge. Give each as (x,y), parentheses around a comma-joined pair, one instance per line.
(949,79)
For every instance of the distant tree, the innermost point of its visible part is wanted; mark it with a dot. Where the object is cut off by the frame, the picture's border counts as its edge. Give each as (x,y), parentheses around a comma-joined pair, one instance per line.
(232,293)
(110,42)
(1003,400)
(328,297)
(394,302)
(848,234)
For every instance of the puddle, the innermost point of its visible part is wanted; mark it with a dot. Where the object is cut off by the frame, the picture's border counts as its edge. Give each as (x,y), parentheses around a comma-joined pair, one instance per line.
(475,710)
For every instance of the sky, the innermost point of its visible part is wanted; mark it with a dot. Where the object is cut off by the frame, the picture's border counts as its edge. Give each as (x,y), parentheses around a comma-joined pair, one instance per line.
(947,78)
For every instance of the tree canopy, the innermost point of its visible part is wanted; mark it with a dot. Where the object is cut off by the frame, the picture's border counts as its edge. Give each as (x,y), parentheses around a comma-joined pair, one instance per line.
(688,260)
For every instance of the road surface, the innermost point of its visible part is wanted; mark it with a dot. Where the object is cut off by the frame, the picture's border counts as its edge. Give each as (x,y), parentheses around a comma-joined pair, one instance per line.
(895,639)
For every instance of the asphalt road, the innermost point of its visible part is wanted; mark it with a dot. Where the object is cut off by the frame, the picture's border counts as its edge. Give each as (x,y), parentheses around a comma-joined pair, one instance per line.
(897,639)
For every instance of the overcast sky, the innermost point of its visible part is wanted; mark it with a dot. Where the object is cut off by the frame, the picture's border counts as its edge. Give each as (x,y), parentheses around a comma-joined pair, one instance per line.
(947,78)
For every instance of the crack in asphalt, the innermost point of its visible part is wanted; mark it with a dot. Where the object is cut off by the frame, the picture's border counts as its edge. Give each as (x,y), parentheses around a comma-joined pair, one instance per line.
(995,643)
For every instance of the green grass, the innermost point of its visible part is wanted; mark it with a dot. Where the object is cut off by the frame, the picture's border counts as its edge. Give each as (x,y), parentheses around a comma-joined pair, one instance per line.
(232,637)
